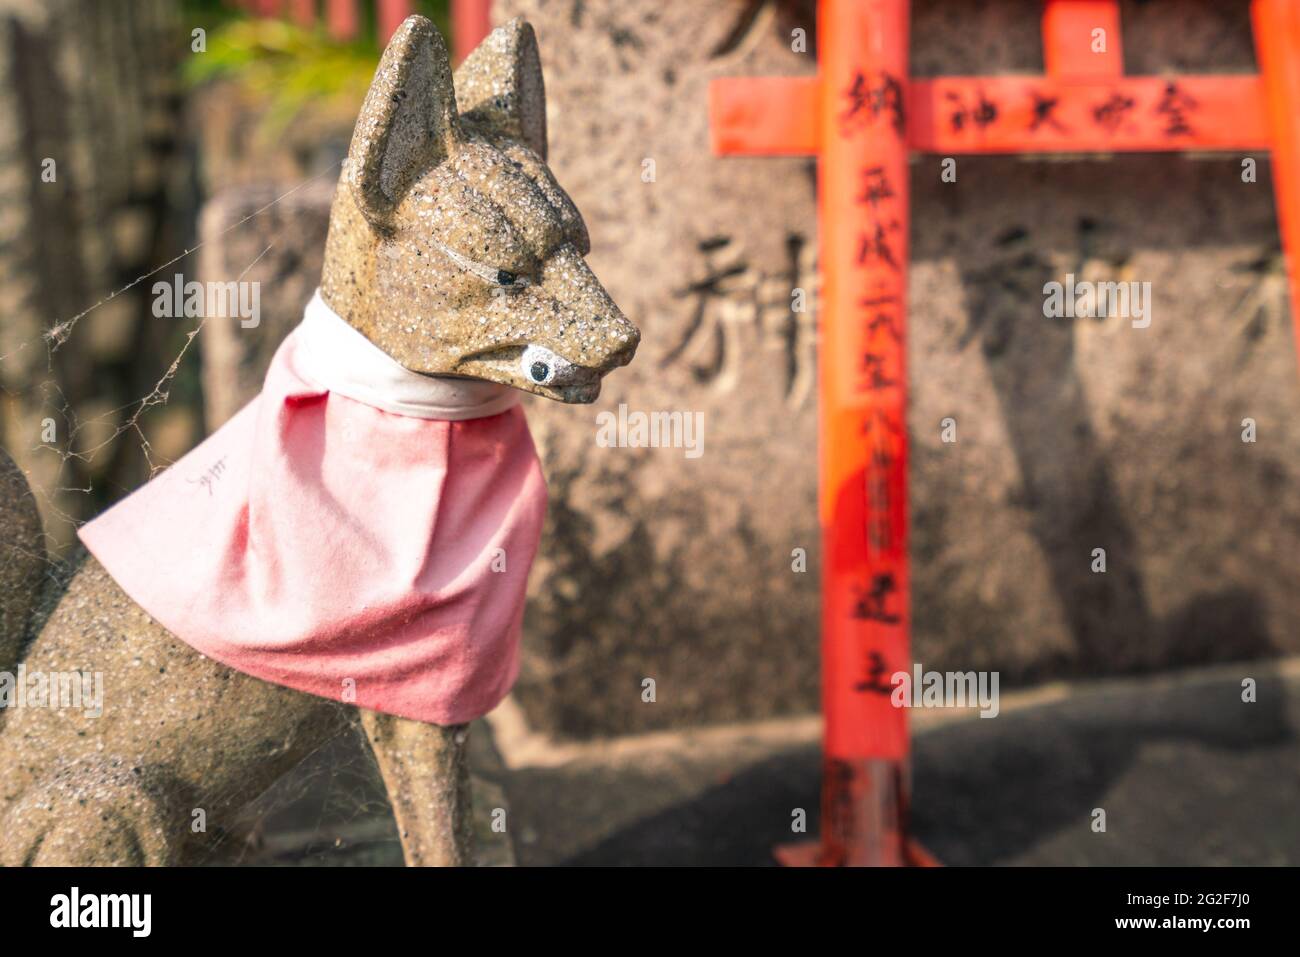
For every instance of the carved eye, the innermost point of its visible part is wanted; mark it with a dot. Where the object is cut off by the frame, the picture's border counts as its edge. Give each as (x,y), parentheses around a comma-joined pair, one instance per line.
(505,278)
(540,371)
(498,277)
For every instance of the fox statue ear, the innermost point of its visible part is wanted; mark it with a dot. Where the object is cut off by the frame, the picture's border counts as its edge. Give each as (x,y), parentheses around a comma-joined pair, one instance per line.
(407,122)
(500,85)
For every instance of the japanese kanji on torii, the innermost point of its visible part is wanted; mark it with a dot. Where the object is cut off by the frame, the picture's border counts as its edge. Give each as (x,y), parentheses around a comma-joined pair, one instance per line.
(861,115)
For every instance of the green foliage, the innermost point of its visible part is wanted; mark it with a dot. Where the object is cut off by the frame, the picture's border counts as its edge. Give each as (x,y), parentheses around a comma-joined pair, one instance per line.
(285,65)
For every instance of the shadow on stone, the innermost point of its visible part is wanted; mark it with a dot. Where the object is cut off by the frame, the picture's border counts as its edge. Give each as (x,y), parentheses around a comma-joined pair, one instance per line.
(1186,772)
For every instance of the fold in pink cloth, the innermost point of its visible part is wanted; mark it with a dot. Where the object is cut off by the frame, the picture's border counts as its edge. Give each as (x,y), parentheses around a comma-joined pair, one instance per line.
(318,542)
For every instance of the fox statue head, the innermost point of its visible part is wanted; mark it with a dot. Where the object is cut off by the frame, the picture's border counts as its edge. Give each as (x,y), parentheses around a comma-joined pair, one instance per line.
(451,246)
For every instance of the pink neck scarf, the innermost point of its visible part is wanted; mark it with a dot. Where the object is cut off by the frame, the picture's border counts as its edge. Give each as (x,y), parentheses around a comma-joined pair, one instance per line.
(357,531)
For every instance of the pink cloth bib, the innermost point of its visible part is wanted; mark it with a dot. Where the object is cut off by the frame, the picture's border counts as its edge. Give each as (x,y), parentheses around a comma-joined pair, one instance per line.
(321,543)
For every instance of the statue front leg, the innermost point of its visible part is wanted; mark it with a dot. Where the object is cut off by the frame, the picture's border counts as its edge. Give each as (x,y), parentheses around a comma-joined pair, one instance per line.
(426,771)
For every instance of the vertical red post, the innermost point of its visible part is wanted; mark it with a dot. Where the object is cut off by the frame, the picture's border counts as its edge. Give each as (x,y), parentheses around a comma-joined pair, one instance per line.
(390,15)
(303,12)
(342,19)
(863,198)
(1071,46)
(471,21)
(1277,47)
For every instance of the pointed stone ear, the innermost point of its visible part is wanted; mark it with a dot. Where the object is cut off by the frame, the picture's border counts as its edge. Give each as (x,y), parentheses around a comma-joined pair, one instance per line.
(500,85)
(407,124)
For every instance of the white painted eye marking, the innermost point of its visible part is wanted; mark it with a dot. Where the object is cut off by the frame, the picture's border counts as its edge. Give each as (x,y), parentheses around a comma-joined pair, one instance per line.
(498,277)
(543,366)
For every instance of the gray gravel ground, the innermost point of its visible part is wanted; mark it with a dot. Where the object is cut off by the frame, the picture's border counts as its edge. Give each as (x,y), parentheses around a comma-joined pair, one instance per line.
(1186,772)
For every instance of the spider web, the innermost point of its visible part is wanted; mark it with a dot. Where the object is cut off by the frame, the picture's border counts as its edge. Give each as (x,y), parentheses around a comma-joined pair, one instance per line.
(332,808)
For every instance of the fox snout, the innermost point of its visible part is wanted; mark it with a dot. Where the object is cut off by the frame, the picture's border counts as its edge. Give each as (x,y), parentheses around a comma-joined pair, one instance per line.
(576,334)
(551,373)
(451,245)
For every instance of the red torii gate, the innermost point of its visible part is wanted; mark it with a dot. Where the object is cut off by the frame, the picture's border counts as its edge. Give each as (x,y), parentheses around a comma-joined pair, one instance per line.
(861,116)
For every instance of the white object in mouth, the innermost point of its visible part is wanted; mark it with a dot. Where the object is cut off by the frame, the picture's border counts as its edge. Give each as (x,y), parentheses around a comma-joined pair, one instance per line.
(558,370)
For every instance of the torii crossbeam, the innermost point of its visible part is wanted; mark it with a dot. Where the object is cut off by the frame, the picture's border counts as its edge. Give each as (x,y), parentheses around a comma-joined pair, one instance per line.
(861,115)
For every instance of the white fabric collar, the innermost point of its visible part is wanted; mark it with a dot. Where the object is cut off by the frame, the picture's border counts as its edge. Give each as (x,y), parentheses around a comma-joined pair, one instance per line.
(337,357)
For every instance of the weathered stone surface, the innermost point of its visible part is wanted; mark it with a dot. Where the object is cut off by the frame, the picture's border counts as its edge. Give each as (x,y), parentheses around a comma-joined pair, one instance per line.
(333,810)
(274,235)
(82,214)
(655,565)
(240,145)
(22,561)
(241,733)
(450,245)
(1083,434)
(1016,791)
(1072,435)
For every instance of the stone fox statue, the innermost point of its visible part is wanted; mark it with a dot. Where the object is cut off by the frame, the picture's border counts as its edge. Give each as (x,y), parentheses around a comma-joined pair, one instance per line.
(355,541)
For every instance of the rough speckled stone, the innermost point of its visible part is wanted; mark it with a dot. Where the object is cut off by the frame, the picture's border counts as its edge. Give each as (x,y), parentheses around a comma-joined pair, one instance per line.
(654,565)
(179,733)
(22,560)
(1071,436)
(246,234)
(70,243)
(451,246)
